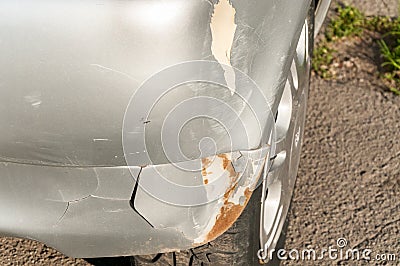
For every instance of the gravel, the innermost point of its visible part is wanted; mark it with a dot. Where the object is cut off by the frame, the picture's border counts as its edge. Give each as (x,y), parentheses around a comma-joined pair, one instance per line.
(376,7)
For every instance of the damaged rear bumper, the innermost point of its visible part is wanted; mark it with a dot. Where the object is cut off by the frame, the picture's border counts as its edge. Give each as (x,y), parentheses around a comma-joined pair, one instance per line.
(106,211)
(61,122)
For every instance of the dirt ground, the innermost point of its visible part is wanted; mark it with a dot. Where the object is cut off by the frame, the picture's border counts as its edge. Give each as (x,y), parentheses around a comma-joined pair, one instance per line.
(349,180)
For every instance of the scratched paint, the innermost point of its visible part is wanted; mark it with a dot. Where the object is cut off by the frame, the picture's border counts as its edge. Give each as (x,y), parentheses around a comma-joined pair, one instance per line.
(223,28)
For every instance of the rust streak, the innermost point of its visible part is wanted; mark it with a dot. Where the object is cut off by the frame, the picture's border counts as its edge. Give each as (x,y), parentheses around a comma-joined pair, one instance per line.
(227,165)
(225,160)
(228,215)
(206,162)
(203,171)
(229,192)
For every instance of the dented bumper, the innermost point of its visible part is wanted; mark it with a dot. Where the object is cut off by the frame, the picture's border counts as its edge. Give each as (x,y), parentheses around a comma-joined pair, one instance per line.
(68,72)
(87,212)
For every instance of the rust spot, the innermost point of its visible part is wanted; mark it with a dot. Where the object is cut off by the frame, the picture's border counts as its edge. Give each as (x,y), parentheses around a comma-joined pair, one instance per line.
(227,165)
(206,181)
(228,215)
(203,171)
(247,194)
(229,192)
(206,162)
(225,160)
(232,172)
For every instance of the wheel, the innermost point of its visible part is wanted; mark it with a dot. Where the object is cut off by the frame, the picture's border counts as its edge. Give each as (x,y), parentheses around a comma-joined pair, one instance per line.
(240,245)
(321,9)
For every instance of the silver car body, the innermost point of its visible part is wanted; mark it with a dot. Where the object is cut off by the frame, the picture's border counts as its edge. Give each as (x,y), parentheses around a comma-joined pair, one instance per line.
(68,71)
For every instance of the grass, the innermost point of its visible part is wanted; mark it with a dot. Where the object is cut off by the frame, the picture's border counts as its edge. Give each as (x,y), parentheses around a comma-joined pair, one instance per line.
(322,59)
(352,22)
(390,50)
(349,22)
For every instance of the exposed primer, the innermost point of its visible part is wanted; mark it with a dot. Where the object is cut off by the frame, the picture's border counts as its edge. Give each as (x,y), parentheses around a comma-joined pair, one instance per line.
(223,30)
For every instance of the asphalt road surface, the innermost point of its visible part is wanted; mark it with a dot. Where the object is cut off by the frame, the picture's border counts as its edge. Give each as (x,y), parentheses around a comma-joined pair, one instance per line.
(349,180)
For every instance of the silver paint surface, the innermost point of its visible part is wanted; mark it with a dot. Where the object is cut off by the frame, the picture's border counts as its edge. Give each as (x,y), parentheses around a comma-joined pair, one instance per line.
(67,72)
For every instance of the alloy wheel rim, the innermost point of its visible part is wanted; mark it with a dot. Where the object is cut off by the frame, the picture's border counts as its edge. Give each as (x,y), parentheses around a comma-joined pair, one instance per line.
(289,132)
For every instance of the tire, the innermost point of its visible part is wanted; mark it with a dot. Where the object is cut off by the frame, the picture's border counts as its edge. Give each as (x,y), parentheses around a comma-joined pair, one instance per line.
(241,243)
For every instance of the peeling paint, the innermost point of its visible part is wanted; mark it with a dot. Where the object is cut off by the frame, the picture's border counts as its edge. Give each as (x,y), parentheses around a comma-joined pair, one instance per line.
(223,28)
(228,209)
(227,182)
(217,168)
(227,165)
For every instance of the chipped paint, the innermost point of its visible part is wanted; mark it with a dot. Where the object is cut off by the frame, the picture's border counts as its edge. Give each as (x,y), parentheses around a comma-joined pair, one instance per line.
(227,182)
(227,165)
(217,168)
(223,28)
(34,100)
(95,140)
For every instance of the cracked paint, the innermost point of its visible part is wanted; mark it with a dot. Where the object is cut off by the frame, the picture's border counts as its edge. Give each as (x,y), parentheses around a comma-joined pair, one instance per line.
(108,186)
(227,183)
